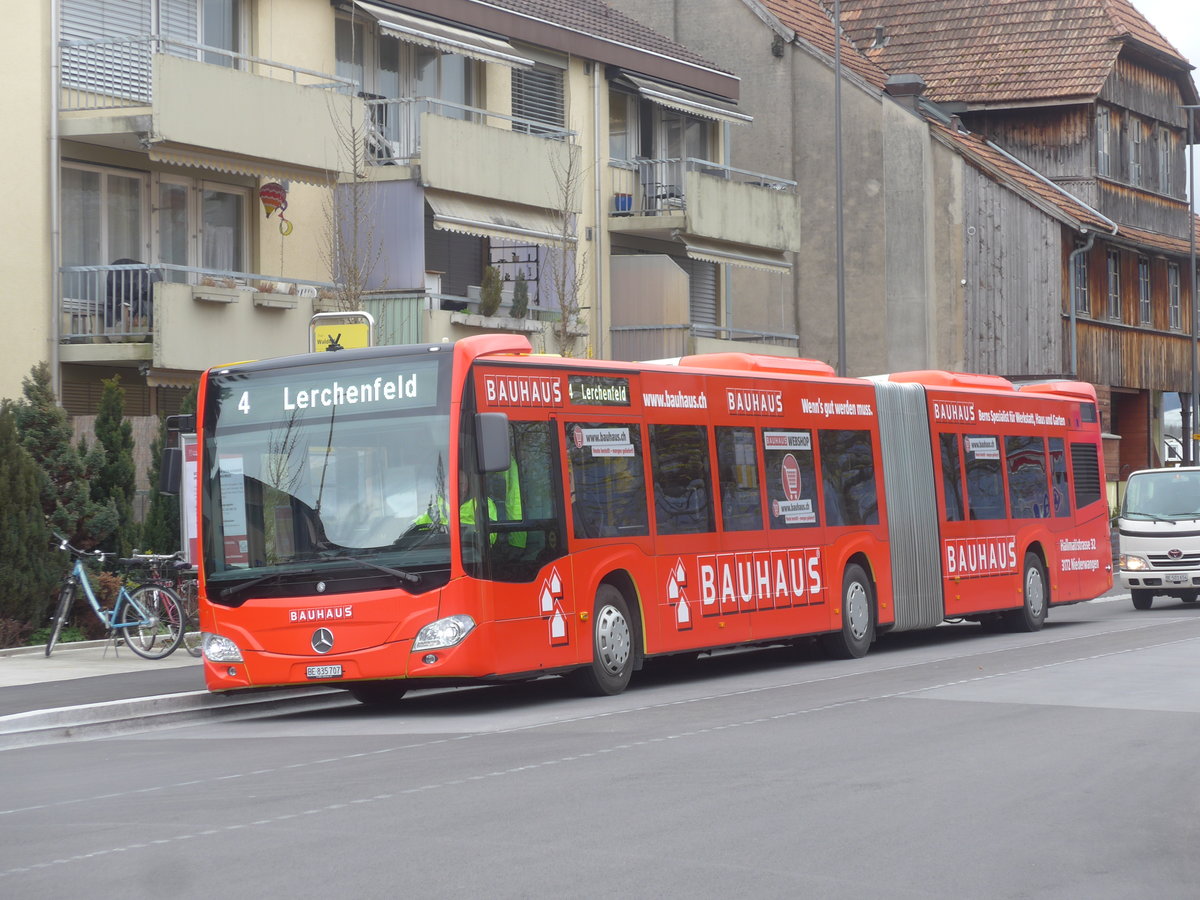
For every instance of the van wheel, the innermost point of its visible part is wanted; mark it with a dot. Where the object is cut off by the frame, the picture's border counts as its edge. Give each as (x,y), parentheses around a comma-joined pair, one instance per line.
(1142,599)
(1034,597)
(612,646)
(858,617)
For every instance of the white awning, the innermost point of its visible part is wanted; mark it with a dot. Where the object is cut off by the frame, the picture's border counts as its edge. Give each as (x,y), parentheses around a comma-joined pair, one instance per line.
(440,36)
(701,105)
(494,218)
(735,254)
(239,165)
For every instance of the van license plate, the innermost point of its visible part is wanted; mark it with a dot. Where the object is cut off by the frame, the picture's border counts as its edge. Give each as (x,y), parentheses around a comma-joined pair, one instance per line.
(1176,578)
(324,672)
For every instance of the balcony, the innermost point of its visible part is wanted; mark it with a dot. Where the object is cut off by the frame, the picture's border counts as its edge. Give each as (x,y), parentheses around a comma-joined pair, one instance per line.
(668,198)
(469,151)
(172,99)
(182,318)
(642,342)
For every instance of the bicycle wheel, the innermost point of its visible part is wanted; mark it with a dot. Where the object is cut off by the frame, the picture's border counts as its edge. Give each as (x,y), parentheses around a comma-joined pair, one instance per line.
(65,597)
(193,639)
(152,621)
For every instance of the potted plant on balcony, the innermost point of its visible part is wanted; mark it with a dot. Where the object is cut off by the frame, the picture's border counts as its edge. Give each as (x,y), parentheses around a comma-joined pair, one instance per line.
(520,297)
(489,292)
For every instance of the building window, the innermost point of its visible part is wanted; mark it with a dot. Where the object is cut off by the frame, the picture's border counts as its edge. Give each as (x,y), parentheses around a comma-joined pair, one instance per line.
(104,216)
(1173,295)
(1143,290)
(1135,152)
(1103,140)
(1080,269)
(622,125)
(1114,284)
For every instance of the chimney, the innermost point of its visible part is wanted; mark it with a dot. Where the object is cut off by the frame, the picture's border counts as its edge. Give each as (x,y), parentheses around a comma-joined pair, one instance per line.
(906,89)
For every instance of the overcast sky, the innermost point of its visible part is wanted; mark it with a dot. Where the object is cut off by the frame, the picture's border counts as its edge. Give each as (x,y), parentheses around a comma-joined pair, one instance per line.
(1179,22)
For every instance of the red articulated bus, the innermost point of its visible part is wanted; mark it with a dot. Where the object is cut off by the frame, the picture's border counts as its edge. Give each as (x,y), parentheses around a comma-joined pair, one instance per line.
(402,517)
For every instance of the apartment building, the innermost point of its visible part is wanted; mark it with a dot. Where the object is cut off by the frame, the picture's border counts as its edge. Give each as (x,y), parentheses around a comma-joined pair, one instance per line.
(202,177)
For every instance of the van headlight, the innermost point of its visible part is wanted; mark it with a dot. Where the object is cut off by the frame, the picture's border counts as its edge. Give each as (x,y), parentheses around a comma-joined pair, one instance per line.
(218,648)
(1131,563)
(443,633)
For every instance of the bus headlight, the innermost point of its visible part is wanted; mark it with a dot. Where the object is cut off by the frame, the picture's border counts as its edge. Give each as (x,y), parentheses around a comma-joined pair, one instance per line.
(218,648)
(443,633)
(1132,563)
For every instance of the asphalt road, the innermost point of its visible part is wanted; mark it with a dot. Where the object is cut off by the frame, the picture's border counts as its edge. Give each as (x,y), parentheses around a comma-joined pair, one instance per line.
(946,764)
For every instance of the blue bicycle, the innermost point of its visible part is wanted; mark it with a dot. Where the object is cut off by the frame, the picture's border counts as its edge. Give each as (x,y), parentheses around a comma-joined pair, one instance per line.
(150,619)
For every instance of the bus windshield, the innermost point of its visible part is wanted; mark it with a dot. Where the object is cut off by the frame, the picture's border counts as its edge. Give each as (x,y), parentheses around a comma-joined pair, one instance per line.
(330,461)
(1165,494)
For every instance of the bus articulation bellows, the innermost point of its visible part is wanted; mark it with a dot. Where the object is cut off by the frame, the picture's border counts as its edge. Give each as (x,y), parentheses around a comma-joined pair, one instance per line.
(400,517)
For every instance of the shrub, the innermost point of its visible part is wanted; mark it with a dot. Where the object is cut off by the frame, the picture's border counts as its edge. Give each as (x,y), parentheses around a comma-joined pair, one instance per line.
(489,292)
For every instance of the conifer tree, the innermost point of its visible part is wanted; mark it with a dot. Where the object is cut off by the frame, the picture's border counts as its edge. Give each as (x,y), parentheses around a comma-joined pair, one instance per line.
(45,433)
(115,474)
(30,568)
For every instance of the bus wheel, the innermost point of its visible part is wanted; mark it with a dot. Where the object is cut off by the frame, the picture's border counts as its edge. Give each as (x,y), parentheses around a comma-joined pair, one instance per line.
(612,646)
(1032,614)
(380,694)
(1142,599)
(858,617)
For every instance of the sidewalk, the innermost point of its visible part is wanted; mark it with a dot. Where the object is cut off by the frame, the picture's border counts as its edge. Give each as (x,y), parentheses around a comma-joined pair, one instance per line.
(91,689)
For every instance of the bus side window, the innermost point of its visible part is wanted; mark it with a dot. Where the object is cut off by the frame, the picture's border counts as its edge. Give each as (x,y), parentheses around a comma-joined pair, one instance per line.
(1060,494)
(1027,494)
(985,477)
(951,477)
(737,466)
(848,472)
(682,483)
(790,473)
(608,485)
(528,494)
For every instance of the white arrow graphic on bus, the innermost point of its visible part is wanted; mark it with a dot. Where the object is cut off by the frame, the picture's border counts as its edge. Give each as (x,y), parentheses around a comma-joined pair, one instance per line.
(676,582)
(551,606)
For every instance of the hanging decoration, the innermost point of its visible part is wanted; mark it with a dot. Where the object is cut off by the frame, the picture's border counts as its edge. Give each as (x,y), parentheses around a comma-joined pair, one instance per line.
(274,197)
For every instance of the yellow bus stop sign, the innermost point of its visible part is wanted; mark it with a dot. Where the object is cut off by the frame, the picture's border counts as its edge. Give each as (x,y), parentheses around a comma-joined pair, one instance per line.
(341,331)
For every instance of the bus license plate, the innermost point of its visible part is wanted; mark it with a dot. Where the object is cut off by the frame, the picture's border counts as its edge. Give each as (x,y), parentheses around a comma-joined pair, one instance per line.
(324,672)
(1176,578)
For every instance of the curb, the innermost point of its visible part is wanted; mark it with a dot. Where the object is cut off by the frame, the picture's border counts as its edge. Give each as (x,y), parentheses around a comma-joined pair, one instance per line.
(115,717)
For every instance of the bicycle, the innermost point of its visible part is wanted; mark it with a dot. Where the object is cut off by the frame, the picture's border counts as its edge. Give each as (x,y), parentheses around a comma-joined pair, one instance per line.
(171,571)
(149,619)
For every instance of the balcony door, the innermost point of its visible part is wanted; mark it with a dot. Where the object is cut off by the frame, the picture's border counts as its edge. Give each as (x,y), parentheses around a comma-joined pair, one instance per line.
(201,224)
(220,24)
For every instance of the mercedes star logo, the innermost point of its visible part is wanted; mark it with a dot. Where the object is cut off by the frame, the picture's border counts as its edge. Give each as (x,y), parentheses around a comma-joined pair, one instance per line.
(322,640)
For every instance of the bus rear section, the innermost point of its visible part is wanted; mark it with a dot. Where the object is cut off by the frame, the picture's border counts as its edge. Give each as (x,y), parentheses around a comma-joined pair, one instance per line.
(1159,535)
(1014,486)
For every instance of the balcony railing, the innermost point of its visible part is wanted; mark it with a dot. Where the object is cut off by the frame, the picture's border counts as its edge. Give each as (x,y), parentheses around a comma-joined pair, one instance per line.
(116,301)
(394,125)
(653,187)
(115,73)
(634,342)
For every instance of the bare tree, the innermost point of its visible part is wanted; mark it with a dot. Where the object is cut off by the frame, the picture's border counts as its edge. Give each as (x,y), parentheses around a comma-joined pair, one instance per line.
(567,262)
(351,248)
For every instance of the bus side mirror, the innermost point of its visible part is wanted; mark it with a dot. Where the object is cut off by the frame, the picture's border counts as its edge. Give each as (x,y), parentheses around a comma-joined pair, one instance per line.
(492,445)
(170,471)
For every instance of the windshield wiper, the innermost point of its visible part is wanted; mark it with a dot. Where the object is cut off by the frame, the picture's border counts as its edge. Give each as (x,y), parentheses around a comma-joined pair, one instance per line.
(399,573)
(273,578)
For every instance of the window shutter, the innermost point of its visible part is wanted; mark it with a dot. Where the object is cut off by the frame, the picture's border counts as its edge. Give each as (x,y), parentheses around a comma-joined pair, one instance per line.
(537,94)
(121,69)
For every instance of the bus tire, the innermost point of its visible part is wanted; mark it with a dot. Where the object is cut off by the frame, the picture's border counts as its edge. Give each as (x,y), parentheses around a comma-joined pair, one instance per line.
(1032,614)
(1142,598)
(858,617)
(378,694)
(612,646)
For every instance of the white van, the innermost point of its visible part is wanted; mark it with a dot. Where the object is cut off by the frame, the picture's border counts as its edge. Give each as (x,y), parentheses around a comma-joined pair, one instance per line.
(1159,529)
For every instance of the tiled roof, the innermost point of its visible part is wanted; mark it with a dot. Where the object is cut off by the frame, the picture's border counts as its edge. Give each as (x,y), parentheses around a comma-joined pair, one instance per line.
(813,23)
(1002,50)
(1016,176)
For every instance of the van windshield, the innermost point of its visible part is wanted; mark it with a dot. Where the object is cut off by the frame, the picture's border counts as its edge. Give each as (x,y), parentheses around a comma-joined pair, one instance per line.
(1166,494)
